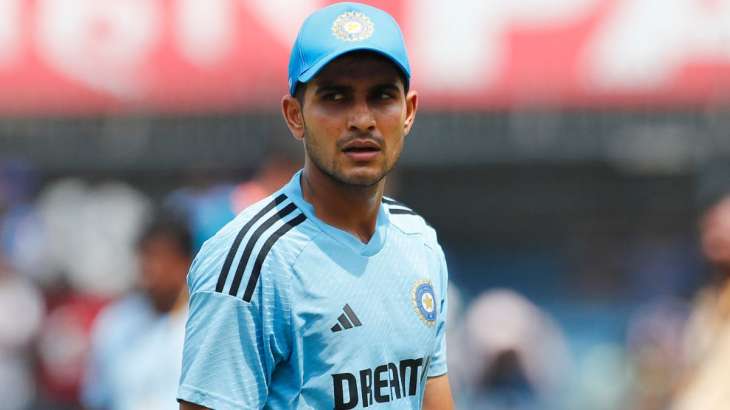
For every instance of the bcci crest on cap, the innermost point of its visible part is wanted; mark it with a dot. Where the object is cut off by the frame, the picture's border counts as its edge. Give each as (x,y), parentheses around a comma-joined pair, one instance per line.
(339,29)
(353,26)
(424,302)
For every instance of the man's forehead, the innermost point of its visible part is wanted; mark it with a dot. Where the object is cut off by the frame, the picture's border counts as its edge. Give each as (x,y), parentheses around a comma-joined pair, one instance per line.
(358,66)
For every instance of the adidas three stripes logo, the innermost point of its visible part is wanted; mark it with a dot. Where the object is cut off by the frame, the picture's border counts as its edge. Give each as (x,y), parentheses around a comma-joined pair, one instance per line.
(347,320)
(260,234)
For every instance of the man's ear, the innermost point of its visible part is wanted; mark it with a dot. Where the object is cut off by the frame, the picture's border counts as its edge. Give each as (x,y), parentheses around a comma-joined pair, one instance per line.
(411,108)
(291,109)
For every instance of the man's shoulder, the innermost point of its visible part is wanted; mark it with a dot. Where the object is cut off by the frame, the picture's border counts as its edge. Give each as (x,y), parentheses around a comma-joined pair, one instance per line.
(273,228)
(409,222)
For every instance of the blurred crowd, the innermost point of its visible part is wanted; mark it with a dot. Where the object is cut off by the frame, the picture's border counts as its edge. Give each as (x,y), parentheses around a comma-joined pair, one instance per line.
(93,305)
(92,284)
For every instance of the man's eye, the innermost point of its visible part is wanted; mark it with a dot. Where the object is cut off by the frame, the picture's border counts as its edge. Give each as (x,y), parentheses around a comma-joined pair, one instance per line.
(334,96)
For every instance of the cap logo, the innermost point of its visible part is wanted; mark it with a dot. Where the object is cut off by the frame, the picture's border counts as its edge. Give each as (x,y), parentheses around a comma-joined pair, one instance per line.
(353,26)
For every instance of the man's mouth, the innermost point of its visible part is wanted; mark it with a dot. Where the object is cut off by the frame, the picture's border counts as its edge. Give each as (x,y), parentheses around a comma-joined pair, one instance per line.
(361,150)
(361,145)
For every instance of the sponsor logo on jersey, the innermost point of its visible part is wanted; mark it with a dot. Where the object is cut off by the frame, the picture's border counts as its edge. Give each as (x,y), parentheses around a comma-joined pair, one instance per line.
(382,384)
(424,301)
(353,26)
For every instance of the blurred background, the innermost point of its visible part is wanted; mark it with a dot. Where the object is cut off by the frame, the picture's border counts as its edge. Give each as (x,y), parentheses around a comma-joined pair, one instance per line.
(572,154)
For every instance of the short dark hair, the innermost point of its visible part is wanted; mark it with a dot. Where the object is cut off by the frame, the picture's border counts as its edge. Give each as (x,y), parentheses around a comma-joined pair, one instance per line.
(299,92)
(171,228)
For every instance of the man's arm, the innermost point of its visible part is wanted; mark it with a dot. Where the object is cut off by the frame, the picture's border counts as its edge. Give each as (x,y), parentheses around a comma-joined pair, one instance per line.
(438,394)
(190,406)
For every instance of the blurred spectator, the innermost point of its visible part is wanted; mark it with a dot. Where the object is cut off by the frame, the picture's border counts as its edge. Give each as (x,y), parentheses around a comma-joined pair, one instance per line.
(276,170)
(137,342)
(21,303)
(63,346)
(18,182)
(78,244)
(654,342)
(518,355)
(103,221)
(21,314)
(708,333)
(208,208)
(20,236)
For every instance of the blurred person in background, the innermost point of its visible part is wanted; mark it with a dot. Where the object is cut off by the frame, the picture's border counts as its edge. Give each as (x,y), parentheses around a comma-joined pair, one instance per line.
(20,238)
(22,307)
(276,170)
(208,208)
(707,341)
(87,259)
(655,352)
(517,355)
(137,341)
(21,314)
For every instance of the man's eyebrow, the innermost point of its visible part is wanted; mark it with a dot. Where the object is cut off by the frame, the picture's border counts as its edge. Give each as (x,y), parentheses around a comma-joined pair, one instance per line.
(324,88)
(386,87)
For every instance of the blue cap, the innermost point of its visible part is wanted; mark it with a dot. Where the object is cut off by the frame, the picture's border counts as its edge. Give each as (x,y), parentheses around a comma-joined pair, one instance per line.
(341,28)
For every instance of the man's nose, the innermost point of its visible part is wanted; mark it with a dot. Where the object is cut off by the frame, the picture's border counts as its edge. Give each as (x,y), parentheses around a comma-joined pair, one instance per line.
(361,117)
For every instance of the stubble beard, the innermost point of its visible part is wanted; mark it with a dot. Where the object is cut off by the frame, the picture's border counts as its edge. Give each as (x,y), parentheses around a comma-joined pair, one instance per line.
(337,175)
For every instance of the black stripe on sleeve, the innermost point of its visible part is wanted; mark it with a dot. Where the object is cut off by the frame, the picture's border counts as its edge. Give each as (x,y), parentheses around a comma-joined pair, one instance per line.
(391,201)
(256,271)
(399,211)
(397,207)
(252,242)
(236,242)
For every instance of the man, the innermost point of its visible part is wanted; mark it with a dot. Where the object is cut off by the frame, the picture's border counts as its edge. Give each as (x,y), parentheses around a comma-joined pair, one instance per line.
(326,294)
(137,341)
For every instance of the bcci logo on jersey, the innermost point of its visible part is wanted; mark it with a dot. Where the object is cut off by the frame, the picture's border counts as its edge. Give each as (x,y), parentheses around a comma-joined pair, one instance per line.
(424,302)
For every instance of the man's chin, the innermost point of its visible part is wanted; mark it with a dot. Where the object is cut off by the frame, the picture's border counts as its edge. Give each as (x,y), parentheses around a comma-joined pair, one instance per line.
(362,178)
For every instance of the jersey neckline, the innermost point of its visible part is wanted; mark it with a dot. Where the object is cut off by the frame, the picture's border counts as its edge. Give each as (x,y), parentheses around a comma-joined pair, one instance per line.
(293,189)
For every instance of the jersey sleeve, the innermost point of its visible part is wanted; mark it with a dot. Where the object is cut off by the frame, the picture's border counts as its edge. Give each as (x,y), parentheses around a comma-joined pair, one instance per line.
(231,346)
(438,365)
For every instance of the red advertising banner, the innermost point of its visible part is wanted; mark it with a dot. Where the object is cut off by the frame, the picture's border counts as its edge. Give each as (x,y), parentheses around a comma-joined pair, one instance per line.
(96,56)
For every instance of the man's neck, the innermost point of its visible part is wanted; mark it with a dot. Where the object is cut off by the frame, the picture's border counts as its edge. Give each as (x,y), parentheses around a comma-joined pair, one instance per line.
(350,208)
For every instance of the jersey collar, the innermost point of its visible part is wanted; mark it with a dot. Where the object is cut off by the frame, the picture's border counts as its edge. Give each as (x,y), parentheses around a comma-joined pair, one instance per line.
(293,189)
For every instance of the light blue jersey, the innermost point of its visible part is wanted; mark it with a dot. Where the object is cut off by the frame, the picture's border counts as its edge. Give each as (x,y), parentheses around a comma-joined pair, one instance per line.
(287,312)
